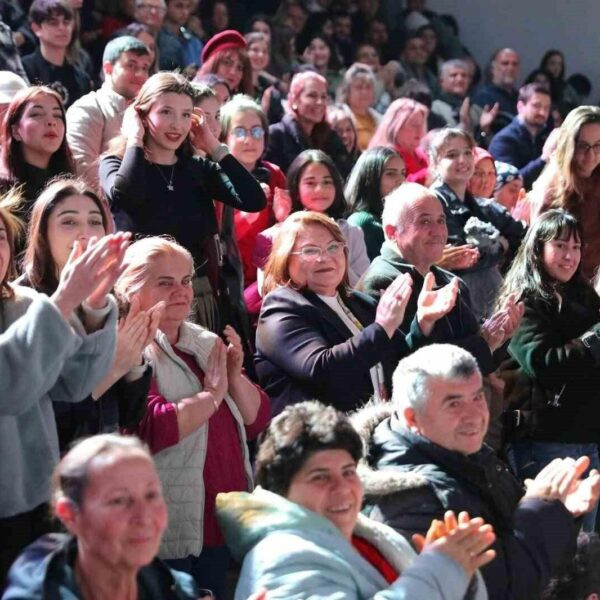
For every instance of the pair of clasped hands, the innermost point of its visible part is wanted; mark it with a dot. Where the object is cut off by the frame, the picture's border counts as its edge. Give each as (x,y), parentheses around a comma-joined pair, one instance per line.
(433,304)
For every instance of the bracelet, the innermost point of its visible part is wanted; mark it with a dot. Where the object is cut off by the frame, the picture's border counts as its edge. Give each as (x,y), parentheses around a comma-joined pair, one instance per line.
(219,153)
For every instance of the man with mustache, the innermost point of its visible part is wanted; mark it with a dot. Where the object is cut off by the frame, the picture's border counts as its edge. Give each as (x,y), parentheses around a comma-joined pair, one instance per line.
(426,455)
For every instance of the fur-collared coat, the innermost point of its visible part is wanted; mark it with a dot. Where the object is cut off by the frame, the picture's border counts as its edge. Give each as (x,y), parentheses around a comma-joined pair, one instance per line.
(409,480)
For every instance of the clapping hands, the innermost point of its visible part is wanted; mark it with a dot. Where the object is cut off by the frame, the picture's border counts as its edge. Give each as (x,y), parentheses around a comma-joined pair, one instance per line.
(464,539)
(434,304)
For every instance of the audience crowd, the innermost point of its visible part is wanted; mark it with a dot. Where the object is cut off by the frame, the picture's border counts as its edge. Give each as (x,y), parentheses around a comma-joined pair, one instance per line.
(297,300)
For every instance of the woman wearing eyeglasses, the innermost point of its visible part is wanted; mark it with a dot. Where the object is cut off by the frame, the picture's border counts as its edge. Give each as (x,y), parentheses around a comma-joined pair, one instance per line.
(316,338)
(244,129)
(571,180)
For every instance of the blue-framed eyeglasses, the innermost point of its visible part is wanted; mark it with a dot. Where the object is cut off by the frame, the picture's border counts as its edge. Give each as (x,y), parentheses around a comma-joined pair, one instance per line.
(256,133)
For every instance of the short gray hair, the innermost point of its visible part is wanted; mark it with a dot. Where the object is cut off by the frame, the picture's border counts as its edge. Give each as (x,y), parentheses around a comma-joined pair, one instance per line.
(411,377)
(453,63)
(396,203)
(354,72)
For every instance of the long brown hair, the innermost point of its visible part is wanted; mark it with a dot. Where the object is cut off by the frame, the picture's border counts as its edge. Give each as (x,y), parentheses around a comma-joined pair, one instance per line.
(39,266)
(158,84)
(214,61)
(12,159)
(563,187)
(277,272)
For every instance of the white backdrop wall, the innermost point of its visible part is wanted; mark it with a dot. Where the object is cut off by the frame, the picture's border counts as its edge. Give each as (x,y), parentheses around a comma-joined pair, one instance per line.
(531,27)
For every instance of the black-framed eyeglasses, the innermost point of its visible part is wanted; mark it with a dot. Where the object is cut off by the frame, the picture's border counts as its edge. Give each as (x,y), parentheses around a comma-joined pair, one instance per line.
(584,148)
(256,133)
(313,253)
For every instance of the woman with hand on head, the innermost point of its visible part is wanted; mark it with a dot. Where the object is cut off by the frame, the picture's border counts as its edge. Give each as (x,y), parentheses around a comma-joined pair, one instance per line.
(55,348)
(305,125)
(556,349)
(68,211)
(402,128)
(318,338)
(33,145)
(301,534)
(108,496)
(315,185)
(200,410)
(156,185)
(377,173)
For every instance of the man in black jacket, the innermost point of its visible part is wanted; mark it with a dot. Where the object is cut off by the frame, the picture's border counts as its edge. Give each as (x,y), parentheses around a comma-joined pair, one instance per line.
(426,456)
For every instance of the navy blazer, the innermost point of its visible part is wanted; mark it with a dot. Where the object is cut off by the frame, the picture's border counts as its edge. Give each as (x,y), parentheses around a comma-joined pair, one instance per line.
(304,351)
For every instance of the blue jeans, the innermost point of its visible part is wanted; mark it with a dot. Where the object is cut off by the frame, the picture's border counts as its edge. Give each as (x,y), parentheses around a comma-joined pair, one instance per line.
(209,569)
(528,458)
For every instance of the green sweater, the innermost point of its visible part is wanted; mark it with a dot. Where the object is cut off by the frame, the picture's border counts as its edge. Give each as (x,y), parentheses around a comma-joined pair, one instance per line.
(372,230)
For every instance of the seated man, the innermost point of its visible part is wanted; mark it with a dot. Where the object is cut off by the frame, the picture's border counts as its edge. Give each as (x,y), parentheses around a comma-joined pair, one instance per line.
(452,104)
(95,119)
(52,21)
(426,456)
(522,142)
(413,59)
(504,71)
(415,236)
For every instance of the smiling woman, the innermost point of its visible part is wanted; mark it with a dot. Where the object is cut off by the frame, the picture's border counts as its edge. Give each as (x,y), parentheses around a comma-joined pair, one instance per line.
(302,535)
(157,183)
(66,213)
(200,410)
(33,144)
(315,336)
(109,497)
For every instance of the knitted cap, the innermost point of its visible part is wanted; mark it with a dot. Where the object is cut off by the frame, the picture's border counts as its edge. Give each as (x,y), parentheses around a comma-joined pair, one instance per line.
(230,38)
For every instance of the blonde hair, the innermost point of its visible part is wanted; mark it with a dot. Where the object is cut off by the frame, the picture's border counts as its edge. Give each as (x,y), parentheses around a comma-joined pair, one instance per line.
(155,86)
(9,204)
(441,138)
(395,117)
(277,271)
(138,258)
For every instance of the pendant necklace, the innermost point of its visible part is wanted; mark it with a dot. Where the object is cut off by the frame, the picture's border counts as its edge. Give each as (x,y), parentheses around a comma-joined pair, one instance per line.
(168,182)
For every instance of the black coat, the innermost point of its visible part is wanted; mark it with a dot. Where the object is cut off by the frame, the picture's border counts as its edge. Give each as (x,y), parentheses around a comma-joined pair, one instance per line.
(287,140)
(459,326)
(533,537)
(559,375)
(304,351)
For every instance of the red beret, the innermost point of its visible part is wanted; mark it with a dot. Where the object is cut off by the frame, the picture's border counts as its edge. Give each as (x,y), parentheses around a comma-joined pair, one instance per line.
(230,38)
